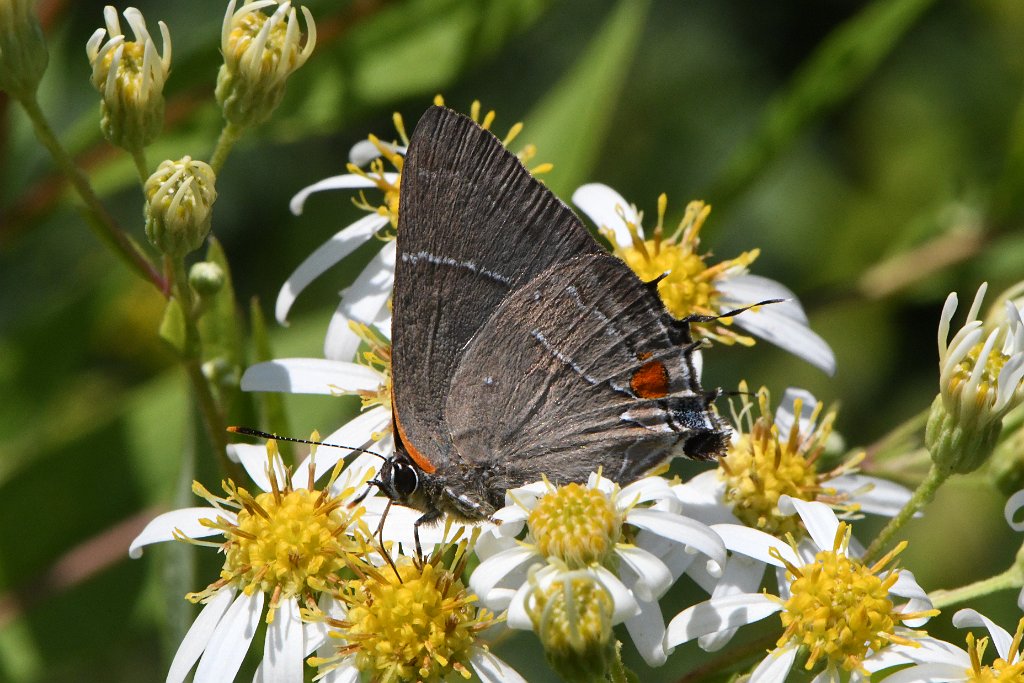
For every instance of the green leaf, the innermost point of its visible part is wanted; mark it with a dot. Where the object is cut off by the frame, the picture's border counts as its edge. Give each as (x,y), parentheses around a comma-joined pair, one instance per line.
(569,125)
(832,74)
(172,327)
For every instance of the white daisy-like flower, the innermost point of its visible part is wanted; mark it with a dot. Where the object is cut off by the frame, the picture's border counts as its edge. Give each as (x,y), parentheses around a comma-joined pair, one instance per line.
(373,165)
(942,662)
(773,456)
(412,620)
(688,286)
(619,535)
(282,548)
(841,611)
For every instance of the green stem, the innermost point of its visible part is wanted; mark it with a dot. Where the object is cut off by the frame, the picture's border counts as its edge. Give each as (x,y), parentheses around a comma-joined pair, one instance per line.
(99,219)
(229,135)
(1011,578)
(139,157)
(922,496)
(213,418)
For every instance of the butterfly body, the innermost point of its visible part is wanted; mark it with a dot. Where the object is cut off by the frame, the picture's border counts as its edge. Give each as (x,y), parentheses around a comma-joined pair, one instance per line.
(520,347)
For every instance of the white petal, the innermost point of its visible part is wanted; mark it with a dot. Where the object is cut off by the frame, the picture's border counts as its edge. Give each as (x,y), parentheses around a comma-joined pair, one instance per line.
(365,298)
(187,520)
(347,673)
(775,667)
(517,616)
(930,673)
(872,494)
(347,181)
(755,543)
(928,651)
(742,575)
(820,520)
(605,208)
(490,669)
(703,499)
(718,614)
(323,257)
(315,634)
(231,640)
(785,414)
(1000,638)
(683,530)
(195,641)
(311,376)
(253,458)
(624,604)
(283,649)
(494,570)
(906,586)
(647,630)
(364,151)
(745,289)
(356,433)
(783,324)
(653,578)
(1013,506)
(646,490)
(831,675)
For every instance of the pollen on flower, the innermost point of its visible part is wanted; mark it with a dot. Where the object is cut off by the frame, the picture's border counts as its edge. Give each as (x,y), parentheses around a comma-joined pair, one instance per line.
(286,542)
(1001,670)
(840,609)
(412,621)
(377,357)
(761,465)
(688,285)
(576,524)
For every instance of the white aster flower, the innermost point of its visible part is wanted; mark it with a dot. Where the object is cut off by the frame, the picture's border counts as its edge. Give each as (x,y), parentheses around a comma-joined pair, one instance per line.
(282,549)
(840,610)
(632,540)
(690,287)
(942,662)
(413,620)
(1011,511)
(374,165)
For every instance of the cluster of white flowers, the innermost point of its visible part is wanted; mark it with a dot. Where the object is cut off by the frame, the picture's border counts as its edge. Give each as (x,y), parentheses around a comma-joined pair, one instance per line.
(569,562)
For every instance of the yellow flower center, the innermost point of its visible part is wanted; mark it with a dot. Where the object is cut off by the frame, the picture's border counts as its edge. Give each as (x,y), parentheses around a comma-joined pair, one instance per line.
(986,393)
(130,76)
(689,286)
(576,524)
(763,465)
(288,542)
(840,609)
(420,625)
(1001,670)
(277,52)
(572,616)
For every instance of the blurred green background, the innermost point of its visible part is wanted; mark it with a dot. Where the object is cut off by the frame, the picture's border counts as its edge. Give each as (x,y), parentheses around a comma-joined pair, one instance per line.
(873,151)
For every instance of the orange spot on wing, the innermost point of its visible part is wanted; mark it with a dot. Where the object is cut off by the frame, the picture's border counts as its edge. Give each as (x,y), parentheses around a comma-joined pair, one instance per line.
(651,380)
(417,457)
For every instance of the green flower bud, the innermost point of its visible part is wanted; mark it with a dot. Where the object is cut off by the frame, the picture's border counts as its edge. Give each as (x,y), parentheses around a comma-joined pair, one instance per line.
(979,383)
(130,76)
(179,202)
(206,278)
(572,615)
(260,52)
(23,55)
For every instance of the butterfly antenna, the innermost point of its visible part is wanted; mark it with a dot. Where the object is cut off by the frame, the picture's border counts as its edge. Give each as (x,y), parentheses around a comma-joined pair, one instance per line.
(267,435)
(729,314)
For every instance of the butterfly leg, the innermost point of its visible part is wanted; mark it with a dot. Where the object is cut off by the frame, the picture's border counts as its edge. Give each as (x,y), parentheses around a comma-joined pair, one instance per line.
(425,518)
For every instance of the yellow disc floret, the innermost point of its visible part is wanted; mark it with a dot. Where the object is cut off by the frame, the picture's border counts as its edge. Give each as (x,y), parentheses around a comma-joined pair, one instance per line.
(410,621)
(761,465)
(840,608)
(1009,670)
(576,524)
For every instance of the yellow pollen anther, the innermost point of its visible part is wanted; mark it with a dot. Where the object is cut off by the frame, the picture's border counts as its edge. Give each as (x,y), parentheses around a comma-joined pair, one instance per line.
(575,524)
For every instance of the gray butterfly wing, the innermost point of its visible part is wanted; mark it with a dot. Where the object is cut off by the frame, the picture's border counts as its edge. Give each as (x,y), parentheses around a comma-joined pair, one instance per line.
(581,368)
(473,225)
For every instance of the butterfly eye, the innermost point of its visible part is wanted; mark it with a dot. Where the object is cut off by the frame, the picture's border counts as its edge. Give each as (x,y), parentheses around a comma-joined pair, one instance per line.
(404,479)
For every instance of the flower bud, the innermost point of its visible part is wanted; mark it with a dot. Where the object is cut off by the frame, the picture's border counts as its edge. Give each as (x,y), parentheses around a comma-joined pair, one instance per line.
(23,55)
(179,201)
(206,278)
(130,77)
(260,52)
(572,615)
(979,383)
